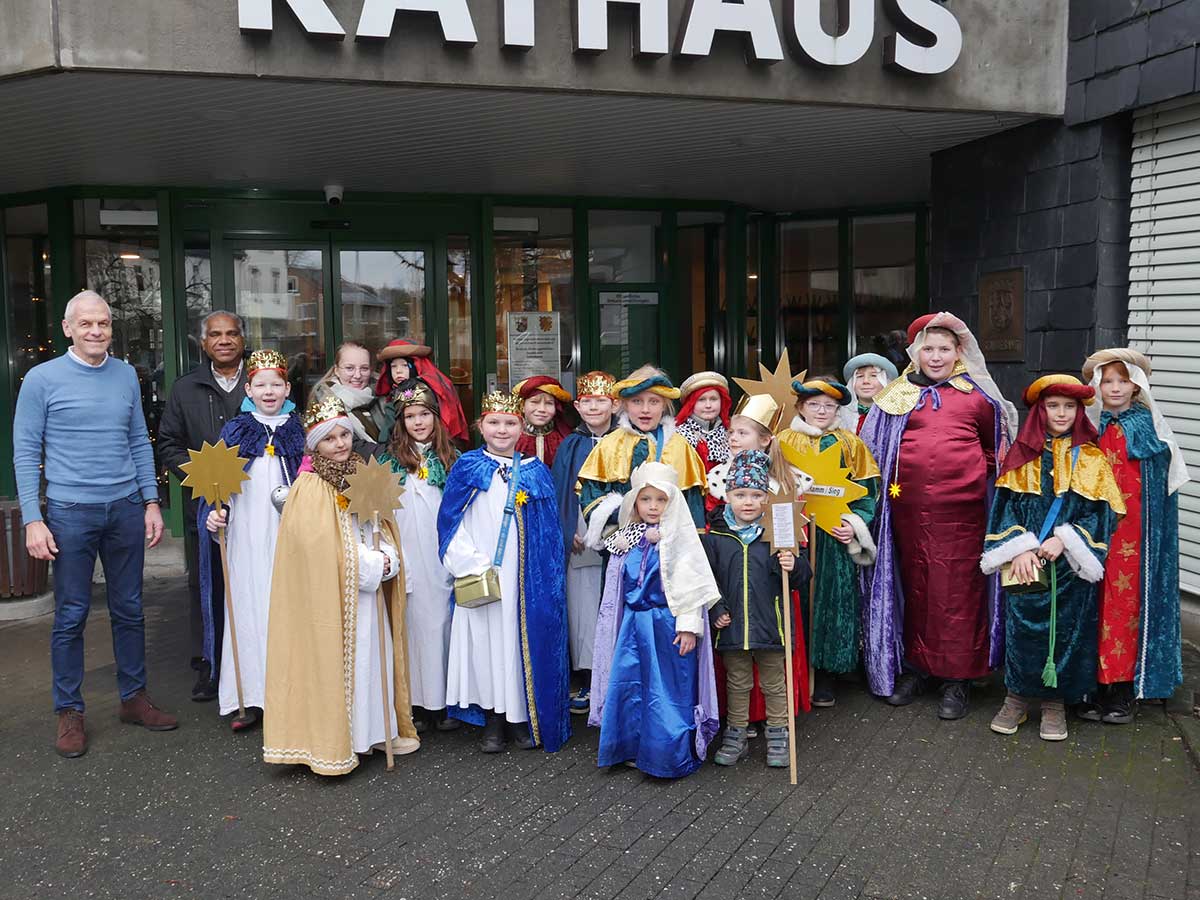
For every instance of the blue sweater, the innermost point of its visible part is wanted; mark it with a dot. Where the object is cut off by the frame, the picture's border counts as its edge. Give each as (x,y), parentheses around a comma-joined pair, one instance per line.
(86,424)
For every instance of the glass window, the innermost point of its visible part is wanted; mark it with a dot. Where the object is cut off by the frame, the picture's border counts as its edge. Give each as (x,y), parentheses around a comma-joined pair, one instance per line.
(292,322)
(808,295)
(533,273)
(752,289)
(692,270)
(458,273)
(197,289)
(623,246)
(383,296)
(885,280)
(27,253)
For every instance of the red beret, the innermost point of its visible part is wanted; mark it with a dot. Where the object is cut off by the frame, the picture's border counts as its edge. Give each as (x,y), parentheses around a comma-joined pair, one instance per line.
(918,326)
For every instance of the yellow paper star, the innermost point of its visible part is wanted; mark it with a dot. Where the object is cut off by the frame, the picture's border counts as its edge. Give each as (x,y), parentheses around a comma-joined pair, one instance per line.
(342,501)
(423,473)
(374,490)
(894,490)
(522,498)
(270,449)
(778,384)
(832,491)
(215,472)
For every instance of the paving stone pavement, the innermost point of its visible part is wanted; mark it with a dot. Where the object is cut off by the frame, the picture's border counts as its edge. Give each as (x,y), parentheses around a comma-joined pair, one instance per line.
(892,803)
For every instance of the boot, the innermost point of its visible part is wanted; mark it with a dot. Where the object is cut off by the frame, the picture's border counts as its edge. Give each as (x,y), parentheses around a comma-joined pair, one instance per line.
(140,710)
(954,699)
(909,687)
(519,736)
(72,736)
(1120,707)
(823,690)
(493,733)
(1054,721)
(735,746)
(205,688)
(1014,711)
(1091,707)
(778,756)
(421,719)
(443,722)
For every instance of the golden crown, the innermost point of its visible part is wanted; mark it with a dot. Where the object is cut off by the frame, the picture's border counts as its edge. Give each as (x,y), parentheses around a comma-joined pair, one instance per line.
(322,410)
(418,394)
(595,384)
(760,408)
(266,359)
(502,402)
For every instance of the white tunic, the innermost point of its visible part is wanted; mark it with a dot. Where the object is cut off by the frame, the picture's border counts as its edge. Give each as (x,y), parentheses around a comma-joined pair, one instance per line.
(366,724)
(429,588)
(485,665)
(250,539)
(583,601)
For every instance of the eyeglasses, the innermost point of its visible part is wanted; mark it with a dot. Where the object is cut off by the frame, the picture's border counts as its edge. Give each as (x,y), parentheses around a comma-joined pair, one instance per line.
(821,407)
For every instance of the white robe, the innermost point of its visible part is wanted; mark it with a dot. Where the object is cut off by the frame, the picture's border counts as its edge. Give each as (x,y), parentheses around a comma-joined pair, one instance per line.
(583,601)
(485,666)
(366,724)
(429,588)
(250,540)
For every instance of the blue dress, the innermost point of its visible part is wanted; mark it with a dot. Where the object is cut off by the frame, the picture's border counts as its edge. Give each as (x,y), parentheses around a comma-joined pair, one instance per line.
(650,711)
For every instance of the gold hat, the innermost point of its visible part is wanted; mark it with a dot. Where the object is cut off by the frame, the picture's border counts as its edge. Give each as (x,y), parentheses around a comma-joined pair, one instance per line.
(266,359)
(702,381)
(760,408)
(416,393)
(502,402)
(322,410)
(595,384)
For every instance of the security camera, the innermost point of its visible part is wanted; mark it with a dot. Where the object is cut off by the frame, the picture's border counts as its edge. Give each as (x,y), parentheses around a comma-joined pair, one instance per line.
(333,194)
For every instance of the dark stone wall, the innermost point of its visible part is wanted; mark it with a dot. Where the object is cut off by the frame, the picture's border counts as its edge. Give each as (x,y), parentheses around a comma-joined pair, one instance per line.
(1053,201)
(1124,54)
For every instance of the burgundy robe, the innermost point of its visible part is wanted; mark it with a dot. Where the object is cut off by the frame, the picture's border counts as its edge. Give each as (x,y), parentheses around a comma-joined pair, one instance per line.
(939,521)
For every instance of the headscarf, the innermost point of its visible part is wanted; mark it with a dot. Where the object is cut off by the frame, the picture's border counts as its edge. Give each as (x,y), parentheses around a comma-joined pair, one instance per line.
(969,353)
(322,416)
(418,356)
(1031,440)
(1139,370)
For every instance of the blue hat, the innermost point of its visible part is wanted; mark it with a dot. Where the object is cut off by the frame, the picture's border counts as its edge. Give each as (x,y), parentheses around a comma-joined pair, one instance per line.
(817,387)
(749,469)
(869,359)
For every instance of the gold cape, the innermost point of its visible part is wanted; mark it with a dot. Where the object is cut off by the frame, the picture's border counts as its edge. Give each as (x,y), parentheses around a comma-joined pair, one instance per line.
(855,455)
(311,634)
(612,459)
(1091,478)
(899,397)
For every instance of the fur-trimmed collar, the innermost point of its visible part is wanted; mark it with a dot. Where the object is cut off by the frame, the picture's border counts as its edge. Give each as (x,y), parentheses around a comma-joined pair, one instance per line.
(667,424)
(798,424)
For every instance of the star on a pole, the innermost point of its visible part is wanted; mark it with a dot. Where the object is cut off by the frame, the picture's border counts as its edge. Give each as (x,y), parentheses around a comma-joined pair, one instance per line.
(777,384)
(374,490)
(214,473)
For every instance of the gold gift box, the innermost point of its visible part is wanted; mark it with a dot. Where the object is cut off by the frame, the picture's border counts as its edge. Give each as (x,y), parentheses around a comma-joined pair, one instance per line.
(473,591)
(1011,585)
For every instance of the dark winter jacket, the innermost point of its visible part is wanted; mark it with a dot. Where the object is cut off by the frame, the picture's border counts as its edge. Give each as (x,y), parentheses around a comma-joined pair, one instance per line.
(749,578)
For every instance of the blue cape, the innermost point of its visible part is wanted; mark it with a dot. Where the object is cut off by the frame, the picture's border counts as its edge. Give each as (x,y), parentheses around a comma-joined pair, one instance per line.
(572,452)
(250,437)
(542,603)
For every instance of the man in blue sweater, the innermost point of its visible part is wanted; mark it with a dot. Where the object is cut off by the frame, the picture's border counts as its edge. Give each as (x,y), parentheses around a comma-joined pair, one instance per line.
(80,416)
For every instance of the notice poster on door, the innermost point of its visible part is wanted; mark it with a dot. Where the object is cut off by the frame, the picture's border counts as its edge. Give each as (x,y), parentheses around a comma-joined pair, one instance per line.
(534,345)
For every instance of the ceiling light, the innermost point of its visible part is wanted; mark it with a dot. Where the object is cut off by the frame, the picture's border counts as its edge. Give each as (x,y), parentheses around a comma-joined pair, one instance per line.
(131,256)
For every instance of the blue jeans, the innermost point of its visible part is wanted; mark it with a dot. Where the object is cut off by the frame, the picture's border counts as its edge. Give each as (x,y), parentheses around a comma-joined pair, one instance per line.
(116,531)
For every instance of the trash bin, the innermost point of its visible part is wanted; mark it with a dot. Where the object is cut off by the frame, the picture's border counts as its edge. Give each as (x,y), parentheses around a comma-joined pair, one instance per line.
(20,574)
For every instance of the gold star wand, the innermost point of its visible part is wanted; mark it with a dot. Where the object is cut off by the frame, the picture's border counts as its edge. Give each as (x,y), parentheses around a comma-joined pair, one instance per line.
(374,492)
(215,473)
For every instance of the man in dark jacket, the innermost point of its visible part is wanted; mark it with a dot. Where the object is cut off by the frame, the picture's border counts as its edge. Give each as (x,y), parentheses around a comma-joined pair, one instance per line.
(198,407)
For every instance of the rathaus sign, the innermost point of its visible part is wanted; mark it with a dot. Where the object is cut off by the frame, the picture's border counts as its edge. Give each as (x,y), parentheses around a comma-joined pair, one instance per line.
(924,37)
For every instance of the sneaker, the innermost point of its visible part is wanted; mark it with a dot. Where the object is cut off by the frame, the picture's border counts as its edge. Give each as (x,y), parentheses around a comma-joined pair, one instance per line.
(778,756)
(734,747)
(581,702)
(1120,706)
(1011,715)
(140,710)
(71,741)
(954,700)
(205,689)
(823,690)
(1054,721)
(909,687)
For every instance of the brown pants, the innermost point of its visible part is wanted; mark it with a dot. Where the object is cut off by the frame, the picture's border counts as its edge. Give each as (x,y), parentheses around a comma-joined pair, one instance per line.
(739,680)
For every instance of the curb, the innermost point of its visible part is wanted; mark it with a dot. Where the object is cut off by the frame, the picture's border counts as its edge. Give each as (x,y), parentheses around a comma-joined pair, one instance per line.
(27,608)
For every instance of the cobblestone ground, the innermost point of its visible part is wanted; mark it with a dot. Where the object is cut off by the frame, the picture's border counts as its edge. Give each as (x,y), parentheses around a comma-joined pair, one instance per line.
(891,803)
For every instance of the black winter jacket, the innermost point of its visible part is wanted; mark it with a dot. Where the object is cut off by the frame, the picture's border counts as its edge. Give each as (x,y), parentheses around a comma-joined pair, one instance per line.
(749,579)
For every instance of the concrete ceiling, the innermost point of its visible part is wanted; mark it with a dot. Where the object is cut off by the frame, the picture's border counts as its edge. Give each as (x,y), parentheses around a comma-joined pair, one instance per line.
(110,128)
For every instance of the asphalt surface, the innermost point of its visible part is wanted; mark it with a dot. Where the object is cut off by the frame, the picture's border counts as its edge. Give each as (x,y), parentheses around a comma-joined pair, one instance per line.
(891,803)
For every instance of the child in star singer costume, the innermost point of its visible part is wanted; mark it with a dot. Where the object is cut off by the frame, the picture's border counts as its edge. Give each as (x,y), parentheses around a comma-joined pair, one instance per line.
(323,666)
(421,452)
(596,408)
(834,632)
(400,362)
(1139,609)
(749,616)
(508,658)
(866,375)
(704,414)
(653,692)
(1056,505)
(545,416)
(272,443)
(645,432)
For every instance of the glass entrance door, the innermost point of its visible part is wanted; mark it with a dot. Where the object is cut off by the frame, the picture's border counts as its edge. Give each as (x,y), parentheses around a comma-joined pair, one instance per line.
(384,293)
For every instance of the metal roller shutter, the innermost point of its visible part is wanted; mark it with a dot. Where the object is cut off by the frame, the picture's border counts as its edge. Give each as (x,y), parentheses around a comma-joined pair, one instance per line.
(1164,287)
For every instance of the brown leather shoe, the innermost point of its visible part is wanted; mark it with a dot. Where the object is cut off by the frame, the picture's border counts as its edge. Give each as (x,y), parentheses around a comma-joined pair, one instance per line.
(139,710)
(72,736)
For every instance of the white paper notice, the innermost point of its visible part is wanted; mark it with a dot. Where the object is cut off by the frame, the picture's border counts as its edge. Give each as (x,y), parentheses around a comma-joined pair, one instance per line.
(783,522)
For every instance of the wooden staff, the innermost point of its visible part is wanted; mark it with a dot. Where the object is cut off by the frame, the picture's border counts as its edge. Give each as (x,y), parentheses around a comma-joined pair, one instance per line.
(381,618)
(241,719)
(791,675)
(812,601)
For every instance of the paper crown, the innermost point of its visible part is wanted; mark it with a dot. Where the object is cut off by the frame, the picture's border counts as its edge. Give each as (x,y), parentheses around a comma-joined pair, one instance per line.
(322,410)
(502,402)
(266,359)
(760,408)
(595,384)
(416,393)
